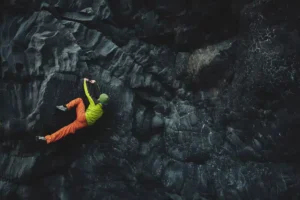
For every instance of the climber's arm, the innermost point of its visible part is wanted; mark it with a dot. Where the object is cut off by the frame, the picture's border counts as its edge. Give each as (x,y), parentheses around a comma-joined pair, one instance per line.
(87,92)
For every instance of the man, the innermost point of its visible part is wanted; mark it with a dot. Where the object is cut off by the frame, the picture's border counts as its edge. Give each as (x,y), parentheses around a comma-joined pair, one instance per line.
(84,117)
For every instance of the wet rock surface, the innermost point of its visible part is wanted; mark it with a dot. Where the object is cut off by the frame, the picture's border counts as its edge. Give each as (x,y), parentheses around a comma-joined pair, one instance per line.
(204,99)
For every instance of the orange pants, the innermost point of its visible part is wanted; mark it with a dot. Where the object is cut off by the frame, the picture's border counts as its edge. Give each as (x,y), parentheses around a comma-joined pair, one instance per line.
(79,123)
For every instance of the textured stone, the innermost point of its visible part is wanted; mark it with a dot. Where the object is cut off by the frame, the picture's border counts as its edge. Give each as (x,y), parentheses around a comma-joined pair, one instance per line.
(203,99)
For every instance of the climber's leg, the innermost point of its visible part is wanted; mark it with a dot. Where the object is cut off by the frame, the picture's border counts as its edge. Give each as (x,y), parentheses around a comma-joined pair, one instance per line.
(79,123)
(71,104)
(76,102)
(80,110)
(71,128)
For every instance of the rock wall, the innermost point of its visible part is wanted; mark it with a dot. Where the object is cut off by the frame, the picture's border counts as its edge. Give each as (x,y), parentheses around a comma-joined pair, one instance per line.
(204,99)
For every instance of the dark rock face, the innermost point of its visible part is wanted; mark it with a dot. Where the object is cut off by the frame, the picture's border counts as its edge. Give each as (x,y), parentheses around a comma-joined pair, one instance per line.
(204,99)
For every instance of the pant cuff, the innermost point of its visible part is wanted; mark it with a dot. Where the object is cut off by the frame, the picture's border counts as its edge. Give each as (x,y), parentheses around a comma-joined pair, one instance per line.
(48,139)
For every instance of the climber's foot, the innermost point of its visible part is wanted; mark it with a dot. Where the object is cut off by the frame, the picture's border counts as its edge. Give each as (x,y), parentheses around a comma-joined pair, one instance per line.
(40,138)
(62,108)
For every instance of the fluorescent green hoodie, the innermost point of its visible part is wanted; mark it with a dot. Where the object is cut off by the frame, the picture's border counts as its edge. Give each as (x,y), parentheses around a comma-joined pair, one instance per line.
(94,111)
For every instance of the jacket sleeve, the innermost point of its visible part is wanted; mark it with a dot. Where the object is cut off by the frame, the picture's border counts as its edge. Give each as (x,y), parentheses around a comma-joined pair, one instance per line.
(87,93)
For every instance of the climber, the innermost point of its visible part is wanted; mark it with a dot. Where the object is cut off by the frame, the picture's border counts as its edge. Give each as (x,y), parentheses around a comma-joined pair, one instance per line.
(84,117)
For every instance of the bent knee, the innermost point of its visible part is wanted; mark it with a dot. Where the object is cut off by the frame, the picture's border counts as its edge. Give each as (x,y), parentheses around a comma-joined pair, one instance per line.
(79,99)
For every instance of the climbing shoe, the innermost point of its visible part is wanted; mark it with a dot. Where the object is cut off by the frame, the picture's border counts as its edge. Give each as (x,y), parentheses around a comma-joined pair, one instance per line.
(62,108)
(40,138)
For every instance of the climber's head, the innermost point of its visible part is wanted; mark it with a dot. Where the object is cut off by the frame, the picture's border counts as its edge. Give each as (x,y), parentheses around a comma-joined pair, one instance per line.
(103,99)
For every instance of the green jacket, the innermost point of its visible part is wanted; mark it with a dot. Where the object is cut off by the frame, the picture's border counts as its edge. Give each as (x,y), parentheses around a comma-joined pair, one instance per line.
(94,111)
